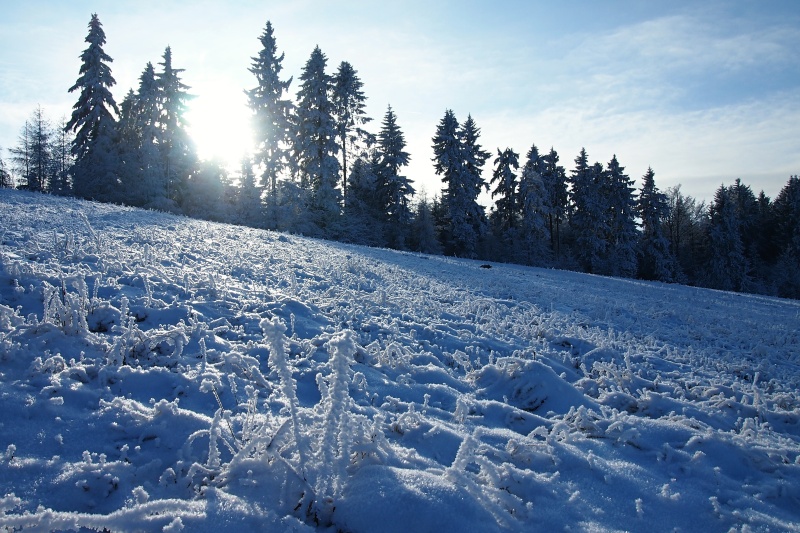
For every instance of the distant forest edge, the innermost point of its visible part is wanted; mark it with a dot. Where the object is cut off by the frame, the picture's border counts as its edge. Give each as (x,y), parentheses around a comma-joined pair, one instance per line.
(317,170)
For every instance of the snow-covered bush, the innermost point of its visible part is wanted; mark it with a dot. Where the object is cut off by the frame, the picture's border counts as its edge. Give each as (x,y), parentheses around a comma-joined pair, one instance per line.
(65,309)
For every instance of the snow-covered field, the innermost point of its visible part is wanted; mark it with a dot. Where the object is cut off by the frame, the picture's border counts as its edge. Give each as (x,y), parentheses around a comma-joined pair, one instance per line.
(158,372)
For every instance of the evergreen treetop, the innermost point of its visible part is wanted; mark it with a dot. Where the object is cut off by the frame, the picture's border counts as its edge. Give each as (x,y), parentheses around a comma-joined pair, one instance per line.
(95,101)
(271,111)
(349,104)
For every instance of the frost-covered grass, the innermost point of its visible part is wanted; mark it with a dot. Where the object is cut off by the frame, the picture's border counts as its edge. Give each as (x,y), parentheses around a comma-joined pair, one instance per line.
(158,372)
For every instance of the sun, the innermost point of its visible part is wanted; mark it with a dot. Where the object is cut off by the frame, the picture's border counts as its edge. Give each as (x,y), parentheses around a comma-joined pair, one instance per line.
(219,124)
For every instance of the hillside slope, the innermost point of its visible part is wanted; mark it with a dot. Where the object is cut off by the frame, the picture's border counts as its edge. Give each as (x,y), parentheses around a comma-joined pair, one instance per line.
(158,372)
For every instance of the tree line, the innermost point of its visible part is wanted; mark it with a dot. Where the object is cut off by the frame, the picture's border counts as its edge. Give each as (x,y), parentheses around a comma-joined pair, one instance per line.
(318,170)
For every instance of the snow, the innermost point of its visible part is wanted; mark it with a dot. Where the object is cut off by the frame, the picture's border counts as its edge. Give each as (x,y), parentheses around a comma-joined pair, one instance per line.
(163,373)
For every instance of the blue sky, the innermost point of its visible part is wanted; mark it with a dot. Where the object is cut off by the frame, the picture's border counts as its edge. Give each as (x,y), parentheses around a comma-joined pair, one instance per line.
(704,92)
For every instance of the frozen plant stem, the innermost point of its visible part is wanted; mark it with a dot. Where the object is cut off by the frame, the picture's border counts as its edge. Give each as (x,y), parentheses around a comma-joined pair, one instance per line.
(275,335)
(334,449)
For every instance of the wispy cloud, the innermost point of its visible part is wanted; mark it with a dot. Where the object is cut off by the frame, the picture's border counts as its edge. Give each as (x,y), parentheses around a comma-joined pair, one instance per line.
(677,60)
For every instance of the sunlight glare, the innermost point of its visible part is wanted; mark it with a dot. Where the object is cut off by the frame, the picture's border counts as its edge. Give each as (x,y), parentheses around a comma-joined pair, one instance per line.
(219,124)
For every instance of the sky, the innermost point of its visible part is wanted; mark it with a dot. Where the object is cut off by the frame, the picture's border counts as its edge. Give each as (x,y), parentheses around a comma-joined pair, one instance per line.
(702,92)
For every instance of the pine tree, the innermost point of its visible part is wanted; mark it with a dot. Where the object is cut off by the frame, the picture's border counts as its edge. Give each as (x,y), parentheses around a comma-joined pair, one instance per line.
(141,140)
(94,174)
(147,122)
(472,184)
(623,235)
(728,266)
(393,189)
(315,144)
(787,217)
(61,160)
(21,155)
(765,231)
(6,180)
(505,177)
(271,118)
(126,125)
(505,216)
(129,146)
(147,112)
(41,160)
(204,195)
(459,160)
(292,209)
(749,214)
(685,229)
(178,157)
(33,156)
(349,102)
(656,260)
(458,235)
(533,213)
(556,197)
(423,235)
(249,209)
(588,220)
(363,221)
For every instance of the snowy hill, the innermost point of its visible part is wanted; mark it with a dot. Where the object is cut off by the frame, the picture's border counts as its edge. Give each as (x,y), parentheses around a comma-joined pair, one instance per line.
(158,372)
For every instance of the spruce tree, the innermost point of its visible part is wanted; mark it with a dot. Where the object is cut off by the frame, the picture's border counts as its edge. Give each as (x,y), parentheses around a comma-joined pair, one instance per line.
(60,160)
(533,211)
(129,146)
(457,234)
(588,220)
(271,118)
(765,231)
(656,260)
(393,189)
(178,157)
(205,198)
(622,235)
(21,154)
(40,152)
(787,218)
(126,126)
(686,230)
(249,209)
(472,183)
(349,103)
(749,215)
(506,187)
(93,121)
(6,180)
(363,221)
(141,141)
(505,216)
(728,266)
(315,144)
(423,235)
(147,123)
(556,197)
(459,160)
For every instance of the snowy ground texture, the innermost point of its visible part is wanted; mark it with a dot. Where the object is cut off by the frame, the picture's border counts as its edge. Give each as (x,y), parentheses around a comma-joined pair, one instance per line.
(161,373)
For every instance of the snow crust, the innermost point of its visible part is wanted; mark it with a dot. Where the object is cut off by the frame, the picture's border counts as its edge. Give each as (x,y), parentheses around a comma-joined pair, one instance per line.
(163,373)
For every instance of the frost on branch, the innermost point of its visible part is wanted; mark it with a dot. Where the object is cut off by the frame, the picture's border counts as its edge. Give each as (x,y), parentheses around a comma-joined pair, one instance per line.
(334,453)
(275,336)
